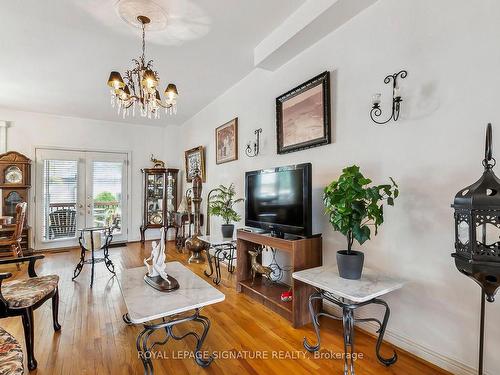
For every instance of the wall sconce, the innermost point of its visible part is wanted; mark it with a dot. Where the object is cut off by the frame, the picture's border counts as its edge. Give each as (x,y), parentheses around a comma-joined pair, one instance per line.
(396,99)
(253,148)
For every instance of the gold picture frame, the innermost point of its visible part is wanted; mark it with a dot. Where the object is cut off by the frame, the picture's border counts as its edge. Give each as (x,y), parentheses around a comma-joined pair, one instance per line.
(226,142)
(194,156)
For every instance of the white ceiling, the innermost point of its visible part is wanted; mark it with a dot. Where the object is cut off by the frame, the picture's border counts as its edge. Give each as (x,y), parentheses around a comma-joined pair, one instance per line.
(56,55)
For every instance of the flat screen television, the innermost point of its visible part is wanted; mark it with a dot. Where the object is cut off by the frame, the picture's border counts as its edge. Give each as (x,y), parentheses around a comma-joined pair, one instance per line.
(279,199)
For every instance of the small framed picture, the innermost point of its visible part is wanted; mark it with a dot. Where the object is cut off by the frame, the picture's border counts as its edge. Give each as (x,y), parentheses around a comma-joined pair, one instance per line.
(195,159)
(226,142)
(303,115)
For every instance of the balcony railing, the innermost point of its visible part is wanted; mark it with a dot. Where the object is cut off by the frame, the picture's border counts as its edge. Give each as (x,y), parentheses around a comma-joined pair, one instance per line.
(62,218)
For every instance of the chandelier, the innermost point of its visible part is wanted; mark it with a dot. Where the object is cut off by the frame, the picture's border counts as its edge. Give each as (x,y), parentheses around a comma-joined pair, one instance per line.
(141,87)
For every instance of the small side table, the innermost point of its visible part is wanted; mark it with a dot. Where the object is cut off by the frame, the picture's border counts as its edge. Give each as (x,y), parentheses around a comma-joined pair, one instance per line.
(106,237)
(224,249)
(349,295)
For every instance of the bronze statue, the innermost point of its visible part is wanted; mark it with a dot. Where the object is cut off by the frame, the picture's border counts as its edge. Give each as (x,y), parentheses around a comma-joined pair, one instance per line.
(193,243)
(157,163)
(257,267)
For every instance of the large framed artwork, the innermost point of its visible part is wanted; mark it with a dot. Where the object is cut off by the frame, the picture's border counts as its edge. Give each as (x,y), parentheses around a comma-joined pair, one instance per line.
(195,159)
(303,115)
(226,142)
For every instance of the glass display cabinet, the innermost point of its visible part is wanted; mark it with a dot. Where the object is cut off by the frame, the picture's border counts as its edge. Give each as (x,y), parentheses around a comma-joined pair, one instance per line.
(160,198)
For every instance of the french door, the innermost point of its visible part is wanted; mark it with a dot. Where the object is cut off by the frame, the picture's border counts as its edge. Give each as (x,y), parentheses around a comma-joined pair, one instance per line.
(77,189)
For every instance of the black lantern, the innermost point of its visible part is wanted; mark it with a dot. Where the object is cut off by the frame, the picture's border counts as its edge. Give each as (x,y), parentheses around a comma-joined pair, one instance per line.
(477,234)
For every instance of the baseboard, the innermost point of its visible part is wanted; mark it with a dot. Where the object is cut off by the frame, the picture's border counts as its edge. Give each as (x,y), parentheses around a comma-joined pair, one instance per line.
(407,344)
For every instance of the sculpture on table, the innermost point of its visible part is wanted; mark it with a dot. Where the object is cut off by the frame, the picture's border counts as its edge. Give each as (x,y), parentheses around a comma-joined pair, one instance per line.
(257,267)
(193,243)
(157,276)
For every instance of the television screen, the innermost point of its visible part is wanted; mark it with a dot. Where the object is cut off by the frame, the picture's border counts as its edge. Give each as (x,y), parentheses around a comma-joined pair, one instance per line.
(279,198)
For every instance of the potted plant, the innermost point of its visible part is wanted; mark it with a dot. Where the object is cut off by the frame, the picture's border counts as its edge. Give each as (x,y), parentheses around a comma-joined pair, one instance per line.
(353,207)
(221,204)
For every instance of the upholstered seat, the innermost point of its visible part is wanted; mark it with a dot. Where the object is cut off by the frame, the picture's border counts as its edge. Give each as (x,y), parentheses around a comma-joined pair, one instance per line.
(21,297)
(21,294)
(11,355)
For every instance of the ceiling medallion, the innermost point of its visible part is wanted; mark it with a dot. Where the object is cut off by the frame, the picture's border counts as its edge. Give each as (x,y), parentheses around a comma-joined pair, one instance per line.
(141,87)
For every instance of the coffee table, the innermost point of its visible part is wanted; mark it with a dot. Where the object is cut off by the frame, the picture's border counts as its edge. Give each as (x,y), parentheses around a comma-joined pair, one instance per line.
(349,295)
(146,305)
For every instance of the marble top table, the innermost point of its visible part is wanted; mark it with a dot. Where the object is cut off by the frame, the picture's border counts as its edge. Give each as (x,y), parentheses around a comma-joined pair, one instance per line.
(371,285)
(349,295)
(223,250)
(146,305)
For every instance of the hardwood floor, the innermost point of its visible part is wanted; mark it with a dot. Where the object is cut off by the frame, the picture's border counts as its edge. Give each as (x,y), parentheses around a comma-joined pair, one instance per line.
(94,339)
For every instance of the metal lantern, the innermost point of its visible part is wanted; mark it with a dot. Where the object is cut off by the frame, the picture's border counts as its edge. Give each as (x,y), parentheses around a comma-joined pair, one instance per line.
(477,234)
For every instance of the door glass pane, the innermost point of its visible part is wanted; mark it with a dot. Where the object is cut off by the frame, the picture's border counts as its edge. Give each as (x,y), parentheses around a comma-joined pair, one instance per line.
(60,182)
(107,194)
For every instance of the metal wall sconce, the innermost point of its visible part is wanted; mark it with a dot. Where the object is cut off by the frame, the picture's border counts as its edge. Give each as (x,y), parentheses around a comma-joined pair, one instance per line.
(253,148)
(396,99)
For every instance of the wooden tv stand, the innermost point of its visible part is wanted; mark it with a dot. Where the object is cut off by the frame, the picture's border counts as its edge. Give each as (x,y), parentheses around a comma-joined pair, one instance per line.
(305,253)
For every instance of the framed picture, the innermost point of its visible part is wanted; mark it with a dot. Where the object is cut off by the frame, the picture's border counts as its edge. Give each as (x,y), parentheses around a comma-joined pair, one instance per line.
(226,142)
(195,159)
(303,115)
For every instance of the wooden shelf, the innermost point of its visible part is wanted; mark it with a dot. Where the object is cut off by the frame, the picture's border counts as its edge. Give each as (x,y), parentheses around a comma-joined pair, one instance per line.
(305,253)
(269,294)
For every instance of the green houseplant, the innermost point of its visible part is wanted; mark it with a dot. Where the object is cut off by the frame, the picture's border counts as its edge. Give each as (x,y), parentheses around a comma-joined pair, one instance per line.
(355,209)
(221,204)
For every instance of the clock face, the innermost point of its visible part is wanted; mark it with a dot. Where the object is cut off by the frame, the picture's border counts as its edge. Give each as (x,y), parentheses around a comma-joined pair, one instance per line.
(13,175)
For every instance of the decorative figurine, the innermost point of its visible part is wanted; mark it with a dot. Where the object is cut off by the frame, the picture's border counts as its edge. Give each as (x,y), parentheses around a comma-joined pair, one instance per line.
(157,163)
(156,276)
(193,243)
(257,267)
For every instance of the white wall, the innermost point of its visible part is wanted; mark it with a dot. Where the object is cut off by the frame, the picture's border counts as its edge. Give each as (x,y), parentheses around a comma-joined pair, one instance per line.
(28,130)
(450,49)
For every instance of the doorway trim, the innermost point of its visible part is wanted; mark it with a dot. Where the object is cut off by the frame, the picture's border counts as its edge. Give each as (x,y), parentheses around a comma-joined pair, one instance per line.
(34,172)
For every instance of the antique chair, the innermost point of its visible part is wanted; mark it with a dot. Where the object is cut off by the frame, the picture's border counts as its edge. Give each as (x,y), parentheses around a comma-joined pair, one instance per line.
(14,241)
(11,355)
(21,296)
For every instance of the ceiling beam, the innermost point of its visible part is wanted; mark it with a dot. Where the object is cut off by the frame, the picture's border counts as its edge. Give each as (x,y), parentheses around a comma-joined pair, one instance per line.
(308,24)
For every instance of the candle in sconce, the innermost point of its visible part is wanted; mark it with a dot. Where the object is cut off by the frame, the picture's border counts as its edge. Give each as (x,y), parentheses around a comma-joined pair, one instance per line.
(376,99)
(397,92)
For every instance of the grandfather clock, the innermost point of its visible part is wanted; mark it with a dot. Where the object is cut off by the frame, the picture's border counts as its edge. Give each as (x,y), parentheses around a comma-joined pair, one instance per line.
(15,182)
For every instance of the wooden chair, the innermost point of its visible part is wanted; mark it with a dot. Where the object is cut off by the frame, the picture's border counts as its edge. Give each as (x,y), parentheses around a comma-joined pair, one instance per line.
(14,241)
(22,296)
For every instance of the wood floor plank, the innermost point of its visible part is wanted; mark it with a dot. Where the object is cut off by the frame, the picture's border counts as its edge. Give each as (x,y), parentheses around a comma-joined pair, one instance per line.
(94,339)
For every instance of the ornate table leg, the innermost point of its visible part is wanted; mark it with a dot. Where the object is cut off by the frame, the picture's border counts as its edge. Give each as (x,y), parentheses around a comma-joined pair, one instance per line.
(144,349)
(126,319)
(381,332)
(109,264)
(348,324)
(210,259)
(230,259)
(93,259)
(314,318)
(80,264)
(217,260)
